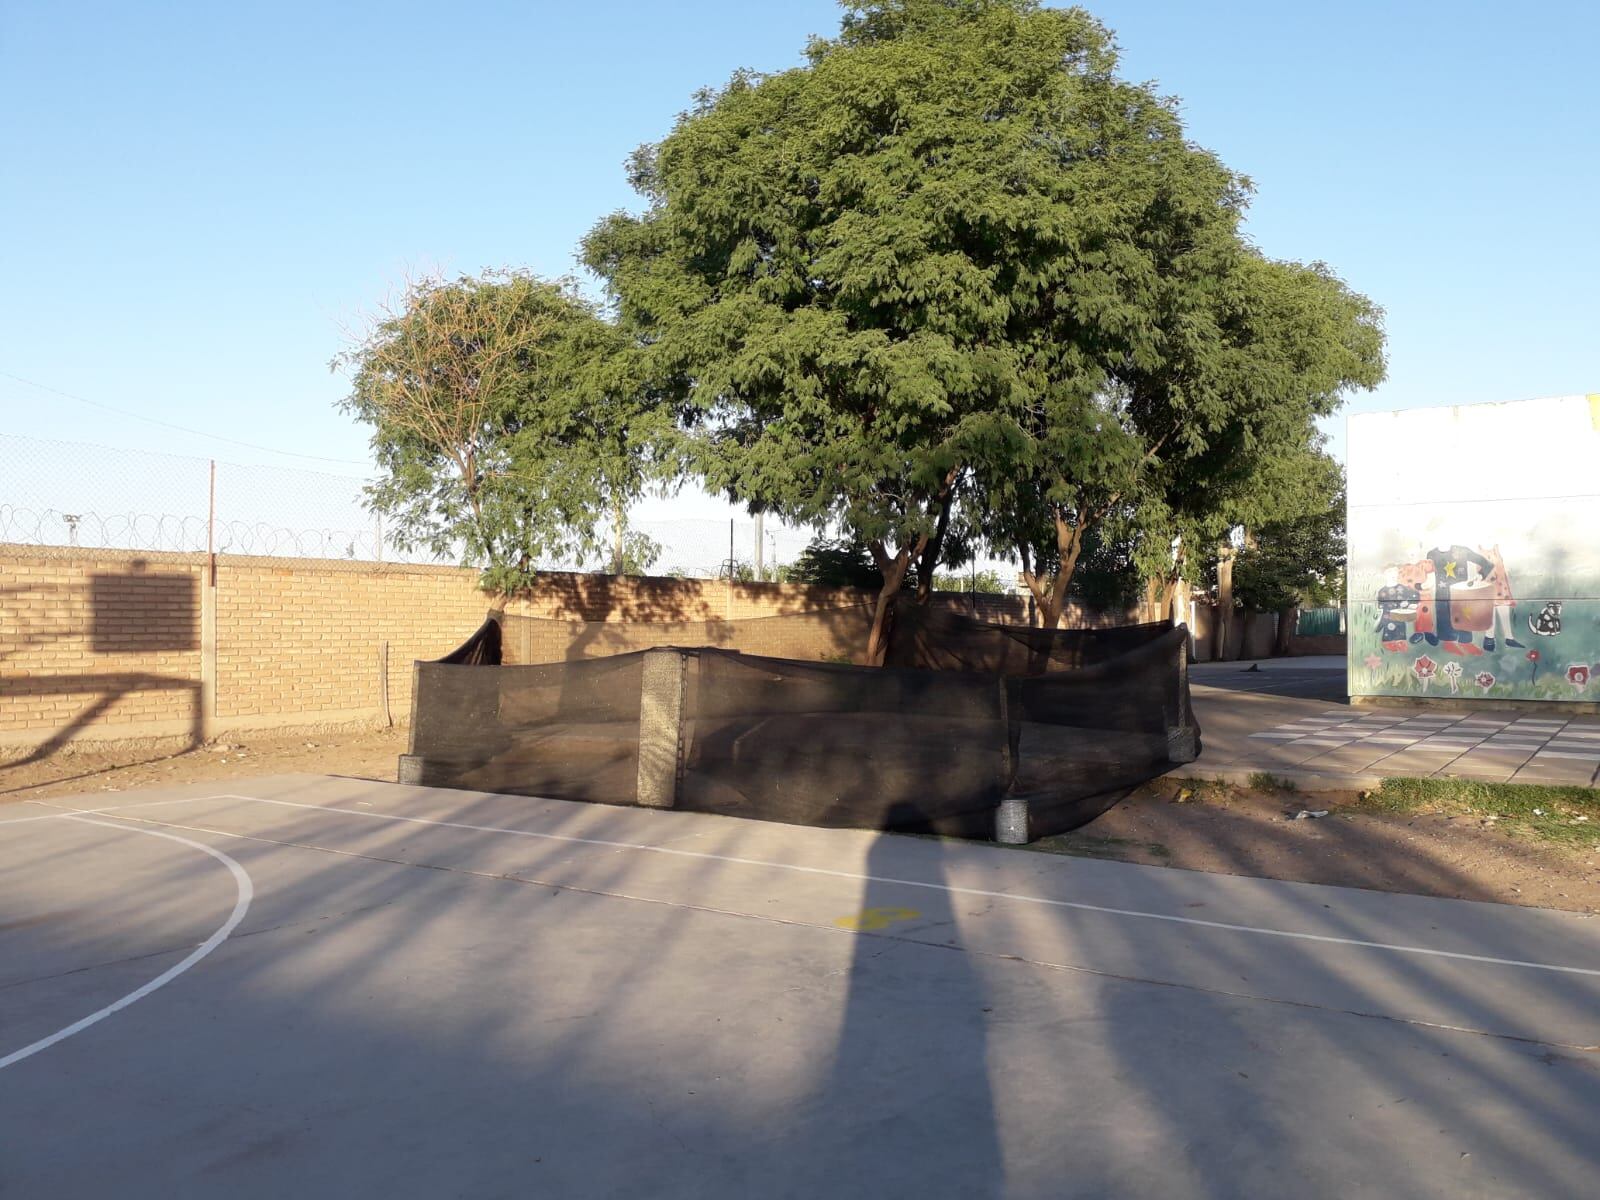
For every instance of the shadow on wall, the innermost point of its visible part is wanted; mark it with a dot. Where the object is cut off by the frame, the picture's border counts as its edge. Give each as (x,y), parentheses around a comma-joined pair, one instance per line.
(130,615)
(834,635)
(648,599)
(141,613)
(28,613)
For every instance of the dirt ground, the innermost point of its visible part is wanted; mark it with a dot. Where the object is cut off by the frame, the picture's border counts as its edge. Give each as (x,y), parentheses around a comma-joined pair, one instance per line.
(1169,823)
(117,767)
(1239,831)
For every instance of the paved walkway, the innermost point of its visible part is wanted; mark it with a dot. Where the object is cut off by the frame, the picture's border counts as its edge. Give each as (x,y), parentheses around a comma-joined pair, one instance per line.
(1278,719)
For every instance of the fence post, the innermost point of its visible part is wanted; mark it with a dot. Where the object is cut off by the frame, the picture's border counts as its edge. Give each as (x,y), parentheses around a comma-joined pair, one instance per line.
(208,654)
(1183,743)
(661,726)
(208,615)
(1011,826)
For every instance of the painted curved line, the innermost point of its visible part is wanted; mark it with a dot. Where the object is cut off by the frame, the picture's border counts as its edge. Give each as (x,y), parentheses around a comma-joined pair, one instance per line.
(241,905)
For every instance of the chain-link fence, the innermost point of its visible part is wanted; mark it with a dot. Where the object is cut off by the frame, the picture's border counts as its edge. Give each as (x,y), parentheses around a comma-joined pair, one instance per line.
(67,497)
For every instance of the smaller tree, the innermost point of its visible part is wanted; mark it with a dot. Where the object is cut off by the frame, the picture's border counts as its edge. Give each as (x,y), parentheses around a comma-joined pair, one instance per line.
(504,423)
(835,562)
(1290,563)
(986,582)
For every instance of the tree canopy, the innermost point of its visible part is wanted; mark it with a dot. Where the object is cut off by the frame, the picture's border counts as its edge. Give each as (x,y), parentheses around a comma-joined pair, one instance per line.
(1298,557)
(506,424)
(954,250)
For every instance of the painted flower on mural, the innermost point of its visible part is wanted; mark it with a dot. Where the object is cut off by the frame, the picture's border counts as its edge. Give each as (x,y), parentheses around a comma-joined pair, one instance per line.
(1452,672)
(1425,669)
(1373,662)
(1578,675)
(1533,657)
(1484,679)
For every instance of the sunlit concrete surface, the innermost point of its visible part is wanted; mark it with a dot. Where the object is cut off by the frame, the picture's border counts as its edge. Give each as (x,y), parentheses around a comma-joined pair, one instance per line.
(328,987)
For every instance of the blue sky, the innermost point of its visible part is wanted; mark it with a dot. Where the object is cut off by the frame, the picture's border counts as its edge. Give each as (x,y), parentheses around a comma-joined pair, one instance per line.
(197,198)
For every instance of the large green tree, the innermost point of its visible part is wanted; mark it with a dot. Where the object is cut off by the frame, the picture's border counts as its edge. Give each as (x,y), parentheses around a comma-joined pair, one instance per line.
(833,259)
(953,255)
(507,424)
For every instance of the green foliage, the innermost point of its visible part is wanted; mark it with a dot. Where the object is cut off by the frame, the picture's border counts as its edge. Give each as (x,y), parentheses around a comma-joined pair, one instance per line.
(990,583)
(866,272)
(1298,560)
(1108,576)
(639,554)
(955,253)
(505,422)
(835,562)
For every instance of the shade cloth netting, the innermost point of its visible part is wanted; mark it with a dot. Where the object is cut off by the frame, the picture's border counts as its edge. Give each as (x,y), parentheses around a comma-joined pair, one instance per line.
(821,743)
(938,640)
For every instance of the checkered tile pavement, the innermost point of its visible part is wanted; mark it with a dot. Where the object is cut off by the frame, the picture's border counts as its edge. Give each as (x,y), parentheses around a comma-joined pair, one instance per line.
(1502,746)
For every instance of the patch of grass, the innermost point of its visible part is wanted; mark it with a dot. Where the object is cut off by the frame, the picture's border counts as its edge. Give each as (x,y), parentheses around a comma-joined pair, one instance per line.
(1265,781)
(1215,791)
(1569,816)
(1157,850)
(1083,846)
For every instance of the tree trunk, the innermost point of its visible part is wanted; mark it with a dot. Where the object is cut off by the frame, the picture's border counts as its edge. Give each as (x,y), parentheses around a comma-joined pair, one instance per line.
(1244,633)
(1219,645)
(1286,619)
(935,547)
(894,575)
(1169,599)
(877,636)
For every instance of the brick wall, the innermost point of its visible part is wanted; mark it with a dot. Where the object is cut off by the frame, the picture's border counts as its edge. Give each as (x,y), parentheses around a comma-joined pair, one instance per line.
(107,644)
(104,641)
(110,644)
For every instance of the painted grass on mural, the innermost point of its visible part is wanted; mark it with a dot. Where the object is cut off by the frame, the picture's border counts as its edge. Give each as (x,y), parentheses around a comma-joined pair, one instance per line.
(1562,667)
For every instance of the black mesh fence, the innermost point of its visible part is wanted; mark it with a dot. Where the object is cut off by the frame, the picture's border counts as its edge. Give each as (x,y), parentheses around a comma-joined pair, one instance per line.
(939,640)
(958,752)
(566,730)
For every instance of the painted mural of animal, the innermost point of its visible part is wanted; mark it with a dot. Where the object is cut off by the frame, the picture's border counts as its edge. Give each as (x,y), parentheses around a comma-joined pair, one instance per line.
(1547,621)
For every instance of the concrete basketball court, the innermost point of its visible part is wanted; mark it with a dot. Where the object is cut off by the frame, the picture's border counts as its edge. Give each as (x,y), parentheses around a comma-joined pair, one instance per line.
(330,987)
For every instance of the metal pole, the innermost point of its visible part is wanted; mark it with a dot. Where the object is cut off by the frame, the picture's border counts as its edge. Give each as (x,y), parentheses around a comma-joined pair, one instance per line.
(211,525)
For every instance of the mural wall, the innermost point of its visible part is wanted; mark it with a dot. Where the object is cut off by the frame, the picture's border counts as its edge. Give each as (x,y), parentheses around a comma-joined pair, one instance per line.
(1475,551)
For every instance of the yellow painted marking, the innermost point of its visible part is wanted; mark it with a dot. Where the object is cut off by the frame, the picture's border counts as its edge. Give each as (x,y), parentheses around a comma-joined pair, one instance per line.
(877,918)
(1594,409)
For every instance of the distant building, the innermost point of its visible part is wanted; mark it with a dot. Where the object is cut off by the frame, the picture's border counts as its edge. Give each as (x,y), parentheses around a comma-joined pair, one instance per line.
(1474,567)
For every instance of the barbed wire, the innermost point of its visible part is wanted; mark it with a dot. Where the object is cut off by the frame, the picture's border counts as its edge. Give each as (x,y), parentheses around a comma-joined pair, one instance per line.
(64,498)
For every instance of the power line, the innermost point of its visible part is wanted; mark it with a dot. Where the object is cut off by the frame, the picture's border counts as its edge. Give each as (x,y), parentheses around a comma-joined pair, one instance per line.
(216,437)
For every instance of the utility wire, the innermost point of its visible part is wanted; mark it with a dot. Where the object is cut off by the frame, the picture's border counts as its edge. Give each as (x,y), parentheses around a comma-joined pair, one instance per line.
(216,437)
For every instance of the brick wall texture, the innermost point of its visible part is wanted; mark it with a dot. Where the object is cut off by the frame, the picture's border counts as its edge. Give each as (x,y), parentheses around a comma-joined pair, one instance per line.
(104,644)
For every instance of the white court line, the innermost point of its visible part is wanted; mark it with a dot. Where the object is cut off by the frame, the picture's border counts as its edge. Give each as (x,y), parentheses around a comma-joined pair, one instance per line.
(950,889)
(58,815)
(241,904)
